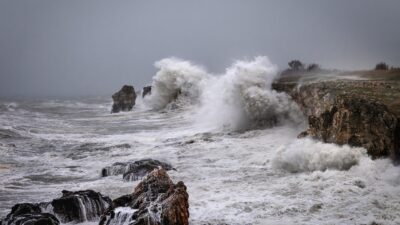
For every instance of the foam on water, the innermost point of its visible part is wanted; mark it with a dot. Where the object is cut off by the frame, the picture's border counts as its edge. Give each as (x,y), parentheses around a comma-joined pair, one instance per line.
(307,155)
(254,176)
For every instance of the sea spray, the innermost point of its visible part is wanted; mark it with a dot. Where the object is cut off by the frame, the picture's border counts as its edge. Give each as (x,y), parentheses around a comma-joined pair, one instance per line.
(175,78)
(308,155)
(242,98)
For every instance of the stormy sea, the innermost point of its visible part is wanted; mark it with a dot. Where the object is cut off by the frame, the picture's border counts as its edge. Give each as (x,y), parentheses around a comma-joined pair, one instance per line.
(230,138)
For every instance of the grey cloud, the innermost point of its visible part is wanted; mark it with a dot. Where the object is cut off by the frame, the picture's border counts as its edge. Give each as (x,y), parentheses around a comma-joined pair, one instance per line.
(92,47)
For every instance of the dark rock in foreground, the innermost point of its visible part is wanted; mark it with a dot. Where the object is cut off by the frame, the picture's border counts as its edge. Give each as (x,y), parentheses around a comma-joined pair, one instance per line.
(124,99)
(146,91)
(134,170)
(80,206)
(29,214)
(156,200)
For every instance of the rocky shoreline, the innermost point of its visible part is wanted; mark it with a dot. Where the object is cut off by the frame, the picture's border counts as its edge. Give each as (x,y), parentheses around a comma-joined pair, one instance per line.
(156,200)
(360,113)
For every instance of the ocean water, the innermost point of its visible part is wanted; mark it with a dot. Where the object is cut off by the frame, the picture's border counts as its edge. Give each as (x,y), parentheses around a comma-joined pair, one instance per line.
(231,138)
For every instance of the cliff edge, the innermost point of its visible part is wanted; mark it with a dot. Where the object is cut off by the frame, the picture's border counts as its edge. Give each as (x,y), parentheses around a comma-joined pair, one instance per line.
(350,109)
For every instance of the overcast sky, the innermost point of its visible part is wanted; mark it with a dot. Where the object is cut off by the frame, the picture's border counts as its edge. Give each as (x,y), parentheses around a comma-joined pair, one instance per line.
(92,47)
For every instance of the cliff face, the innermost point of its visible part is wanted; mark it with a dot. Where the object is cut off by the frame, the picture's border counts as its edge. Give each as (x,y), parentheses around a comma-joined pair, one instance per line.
(357,113)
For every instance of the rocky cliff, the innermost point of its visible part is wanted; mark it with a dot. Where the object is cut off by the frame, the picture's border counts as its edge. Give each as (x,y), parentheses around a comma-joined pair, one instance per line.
(363,113)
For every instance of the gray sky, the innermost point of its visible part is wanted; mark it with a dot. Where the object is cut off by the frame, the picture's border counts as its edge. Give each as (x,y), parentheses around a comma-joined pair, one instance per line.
(92,47)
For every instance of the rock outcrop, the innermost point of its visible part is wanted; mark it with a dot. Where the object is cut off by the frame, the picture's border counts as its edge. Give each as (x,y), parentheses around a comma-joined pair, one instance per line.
(146,91)
(134,170)
(357,122)
(80,206)
(75,207)
(156,200)
(29,214)
(124,99)
(343,113)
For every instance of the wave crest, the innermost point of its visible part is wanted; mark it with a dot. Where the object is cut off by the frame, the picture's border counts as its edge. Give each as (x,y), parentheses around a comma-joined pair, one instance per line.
(175,78)
(307,155)
(241,98)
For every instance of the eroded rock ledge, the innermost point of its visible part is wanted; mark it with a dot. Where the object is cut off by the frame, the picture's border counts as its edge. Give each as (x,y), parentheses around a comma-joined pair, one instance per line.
(357,113)
(156,200)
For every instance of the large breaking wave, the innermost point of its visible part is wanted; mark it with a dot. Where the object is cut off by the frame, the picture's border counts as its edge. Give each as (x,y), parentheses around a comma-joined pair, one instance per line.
(240,98)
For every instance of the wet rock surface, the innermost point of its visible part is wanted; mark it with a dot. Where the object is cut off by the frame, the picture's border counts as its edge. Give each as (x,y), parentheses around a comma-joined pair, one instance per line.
(146,91)
(155,200)
(29,214)
(71,207)
(134,170)
(347,113)
(80,206)
(124,99)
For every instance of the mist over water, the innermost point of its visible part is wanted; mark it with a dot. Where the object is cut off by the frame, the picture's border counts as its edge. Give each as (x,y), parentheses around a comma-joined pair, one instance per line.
(232,139)
(239,99)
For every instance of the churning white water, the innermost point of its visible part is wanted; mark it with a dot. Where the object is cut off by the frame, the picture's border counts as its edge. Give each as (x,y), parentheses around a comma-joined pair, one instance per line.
(232,139)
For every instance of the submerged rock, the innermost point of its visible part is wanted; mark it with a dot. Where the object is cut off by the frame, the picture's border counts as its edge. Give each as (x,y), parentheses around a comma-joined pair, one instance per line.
(146,91)
(134,170)
(155,200)
(80,206)
(29,214)
(124,99)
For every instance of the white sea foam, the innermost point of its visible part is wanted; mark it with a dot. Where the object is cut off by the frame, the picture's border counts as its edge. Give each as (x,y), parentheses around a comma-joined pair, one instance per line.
(175,77)
(308,155)
(236,100)
(259,176)
(243,97)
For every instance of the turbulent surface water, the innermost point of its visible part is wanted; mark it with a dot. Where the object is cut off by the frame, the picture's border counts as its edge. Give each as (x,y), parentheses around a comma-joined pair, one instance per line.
(235,173)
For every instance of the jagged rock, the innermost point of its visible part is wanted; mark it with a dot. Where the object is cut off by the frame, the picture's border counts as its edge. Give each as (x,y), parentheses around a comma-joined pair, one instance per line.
(33,219)
(80,206)
(358,122)
(146,91)
(156,200)
(29,214)
(345,112)
(124,99)
(134,170)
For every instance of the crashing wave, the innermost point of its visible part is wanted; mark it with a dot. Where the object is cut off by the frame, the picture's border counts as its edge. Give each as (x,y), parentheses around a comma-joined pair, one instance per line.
(307,155)
(175,78)
(243,97)
(239,99)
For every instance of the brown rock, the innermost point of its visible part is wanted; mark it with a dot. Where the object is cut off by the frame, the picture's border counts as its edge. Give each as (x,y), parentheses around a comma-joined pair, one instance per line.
(358,122)
(157,200)
(347,112)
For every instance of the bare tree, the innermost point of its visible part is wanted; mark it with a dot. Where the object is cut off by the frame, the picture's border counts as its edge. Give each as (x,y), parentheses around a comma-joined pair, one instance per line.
(296,65)
(381,66)
(313,67)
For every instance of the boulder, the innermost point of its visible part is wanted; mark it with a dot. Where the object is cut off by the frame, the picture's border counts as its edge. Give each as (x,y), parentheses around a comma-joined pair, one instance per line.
(134,170)
(146,91)
(124,99)
(29,214)
(156,200)
(80,206)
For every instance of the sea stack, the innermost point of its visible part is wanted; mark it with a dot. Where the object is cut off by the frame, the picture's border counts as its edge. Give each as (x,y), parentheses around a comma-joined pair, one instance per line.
(146,91)
(124,99)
